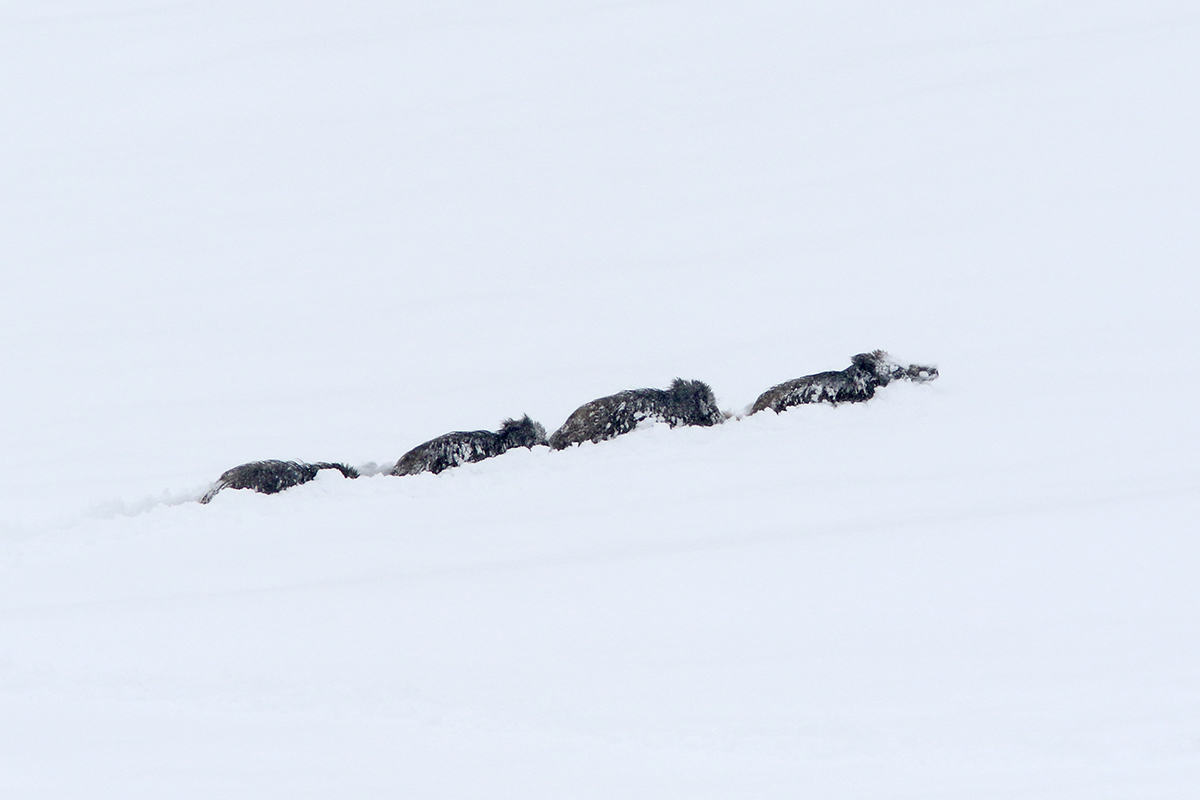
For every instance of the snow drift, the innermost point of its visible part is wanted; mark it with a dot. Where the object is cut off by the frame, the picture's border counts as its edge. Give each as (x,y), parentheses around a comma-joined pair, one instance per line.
(244,230)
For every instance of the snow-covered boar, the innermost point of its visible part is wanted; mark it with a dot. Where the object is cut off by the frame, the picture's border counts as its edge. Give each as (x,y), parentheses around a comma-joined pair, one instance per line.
(685,403)
(461,447)
(270,477)
(855,384)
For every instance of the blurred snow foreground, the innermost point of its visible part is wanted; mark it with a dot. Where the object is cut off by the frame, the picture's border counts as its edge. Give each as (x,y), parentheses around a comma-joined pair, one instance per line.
(237,229)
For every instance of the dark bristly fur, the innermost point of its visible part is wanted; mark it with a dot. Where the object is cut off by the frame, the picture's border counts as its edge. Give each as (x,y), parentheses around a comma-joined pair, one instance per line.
(685,403)
(855,384)
(461,447)
(270,477)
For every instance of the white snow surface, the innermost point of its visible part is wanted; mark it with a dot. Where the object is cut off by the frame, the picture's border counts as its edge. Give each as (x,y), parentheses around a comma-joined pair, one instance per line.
(244,229)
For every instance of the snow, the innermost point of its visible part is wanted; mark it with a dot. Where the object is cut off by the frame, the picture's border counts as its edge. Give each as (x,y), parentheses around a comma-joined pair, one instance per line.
(320,231)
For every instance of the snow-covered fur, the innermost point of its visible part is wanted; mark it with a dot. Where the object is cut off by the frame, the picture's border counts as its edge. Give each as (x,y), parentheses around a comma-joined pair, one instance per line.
(461,447)
(685,403)
(269,477)
(855,384)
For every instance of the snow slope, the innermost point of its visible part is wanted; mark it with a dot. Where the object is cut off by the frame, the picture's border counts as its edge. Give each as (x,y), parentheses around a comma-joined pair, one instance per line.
(241,230)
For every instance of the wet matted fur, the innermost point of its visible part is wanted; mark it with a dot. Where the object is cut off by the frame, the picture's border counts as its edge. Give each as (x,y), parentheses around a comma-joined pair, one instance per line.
(855,384)
(461,447)
(685,403)
(270,477)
